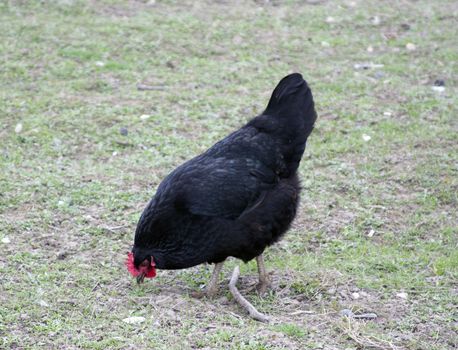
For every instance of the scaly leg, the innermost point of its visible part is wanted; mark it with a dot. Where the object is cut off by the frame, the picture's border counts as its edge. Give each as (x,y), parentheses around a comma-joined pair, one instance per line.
(264,282)
(212,287)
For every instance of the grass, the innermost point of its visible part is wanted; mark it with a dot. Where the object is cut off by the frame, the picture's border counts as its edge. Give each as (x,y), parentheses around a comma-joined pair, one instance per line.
(376,231)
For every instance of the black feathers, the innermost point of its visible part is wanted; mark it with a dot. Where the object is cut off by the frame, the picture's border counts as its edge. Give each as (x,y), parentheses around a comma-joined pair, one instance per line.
(240,195)
(289,85)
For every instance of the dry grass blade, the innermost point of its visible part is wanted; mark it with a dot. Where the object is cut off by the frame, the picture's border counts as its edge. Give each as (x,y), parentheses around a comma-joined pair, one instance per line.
(145,87)
(352,329)
(255,314)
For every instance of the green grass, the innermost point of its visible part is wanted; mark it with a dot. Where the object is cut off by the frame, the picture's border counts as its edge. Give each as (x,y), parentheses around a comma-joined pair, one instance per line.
(378,218)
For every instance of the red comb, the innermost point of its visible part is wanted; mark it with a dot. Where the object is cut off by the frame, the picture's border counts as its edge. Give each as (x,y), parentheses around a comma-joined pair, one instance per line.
(130,265)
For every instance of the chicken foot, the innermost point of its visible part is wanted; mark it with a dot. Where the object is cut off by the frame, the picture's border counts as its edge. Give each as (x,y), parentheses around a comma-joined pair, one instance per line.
(264,281)
(242,301)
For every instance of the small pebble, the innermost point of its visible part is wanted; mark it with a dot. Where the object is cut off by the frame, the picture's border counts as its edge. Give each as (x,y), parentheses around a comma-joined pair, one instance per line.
(370,49)
(99,63)
(439,82)
(405,26)
(402,295)
(387,114)
(325,44)
(355,295)
(18,128)
(366,137)
(62,255)
(375,20)
(6,240)
(43,303)
(330,19)
(123,131)
(411,47)
(379,74)
(57,143)
(237,40)
(145,116)
(346,312)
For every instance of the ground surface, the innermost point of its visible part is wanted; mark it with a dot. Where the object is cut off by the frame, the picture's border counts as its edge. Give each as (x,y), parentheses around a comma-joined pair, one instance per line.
(376,231)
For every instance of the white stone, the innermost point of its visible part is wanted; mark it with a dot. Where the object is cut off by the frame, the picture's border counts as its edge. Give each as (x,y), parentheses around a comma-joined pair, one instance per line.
(376,20)
(134,319)
(43,303)
(438,88)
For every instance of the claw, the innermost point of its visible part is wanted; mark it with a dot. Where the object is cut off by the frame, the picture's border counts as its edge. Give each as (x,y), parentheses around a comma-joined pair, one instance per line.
(262,287)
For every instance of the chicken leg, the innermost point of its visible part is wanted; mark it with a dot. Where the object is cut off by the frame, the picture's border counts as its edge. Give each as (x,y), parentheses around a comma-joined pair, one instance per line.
(212,287)
(264,282)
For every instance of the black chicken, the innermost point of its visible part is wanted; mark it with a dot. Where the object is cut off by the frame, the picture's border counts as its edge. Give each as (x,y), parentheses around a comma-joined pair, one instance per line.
(237,198)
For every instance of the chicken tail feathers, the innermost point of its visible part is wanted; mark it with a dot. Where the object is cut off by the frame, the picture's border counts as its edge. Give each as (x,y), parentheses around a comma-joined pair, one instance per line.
(293,109)
(292,99)
(288,86)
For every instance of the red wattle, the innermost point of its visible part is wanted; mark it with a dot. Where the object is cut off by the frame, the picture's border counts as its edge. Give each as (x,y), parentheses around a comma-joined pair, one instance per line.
(151,273)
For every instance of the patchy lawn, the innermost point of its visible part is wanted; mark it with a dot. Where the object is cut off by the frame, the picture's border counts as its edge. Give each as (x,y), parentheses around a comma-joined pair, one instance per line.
(83,146)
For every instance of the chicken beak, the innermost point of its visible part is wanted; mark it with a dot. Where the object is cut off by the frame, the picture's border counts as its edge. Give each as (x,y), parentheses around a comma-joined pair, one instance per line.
(141,277)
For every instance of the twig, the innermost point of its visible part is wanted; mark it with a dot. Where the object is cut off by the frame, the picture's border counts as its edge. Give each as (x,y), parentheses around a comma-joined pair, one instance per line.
(235,315)
(301,312)
(96,286)
(124,144)
(144,87)
(114,228)
(241,300)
